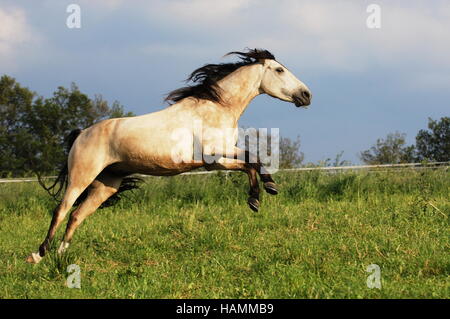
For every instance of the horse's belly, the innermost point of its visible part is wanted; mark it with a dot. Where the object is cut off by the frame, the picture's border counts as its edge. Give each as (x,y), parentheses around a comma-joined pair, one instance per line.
(159,166)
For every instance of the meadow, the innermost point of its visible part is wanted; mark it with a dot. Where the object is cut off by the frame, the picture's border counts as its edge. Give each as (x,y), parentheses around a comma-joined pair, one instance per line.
(195,237)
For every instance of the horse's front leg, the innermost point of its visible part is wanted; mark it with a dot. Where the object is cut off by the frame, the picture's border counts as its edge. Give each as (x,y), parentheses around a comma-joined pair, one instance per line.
(239,165)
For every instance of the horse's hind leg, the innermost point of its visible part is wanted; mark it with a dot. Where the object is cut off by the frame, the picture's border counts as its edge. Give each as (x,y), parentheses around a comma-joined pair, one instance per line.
(104,186)
(79,179)
(59,214)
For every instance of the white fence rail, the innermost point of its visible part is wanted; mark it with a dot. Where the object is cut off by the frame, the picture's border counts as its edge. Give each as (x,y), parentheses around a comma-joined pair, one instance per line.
(434,165)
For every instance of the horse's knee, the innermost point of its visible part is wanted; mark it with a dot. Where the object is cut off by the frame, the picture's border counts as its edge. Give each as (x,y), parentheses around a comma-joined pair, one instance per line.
(74,220)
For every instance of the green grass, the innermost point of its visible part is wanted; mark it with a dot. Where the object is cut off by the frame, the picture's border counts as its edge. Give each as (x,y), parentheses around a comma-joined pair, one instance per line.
(195,237)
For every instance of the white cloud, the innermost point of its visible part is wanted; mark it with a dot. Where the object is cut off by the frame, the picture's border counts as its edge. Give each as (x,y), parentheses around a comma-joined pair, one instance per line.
(334,34)
(317,35)
(13,29)
(320,35)
(16,36)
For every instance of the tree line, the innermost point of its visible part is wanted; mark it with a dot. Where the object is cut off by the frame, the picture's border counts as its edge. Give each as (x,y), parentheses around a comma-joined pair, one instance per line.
(431,145)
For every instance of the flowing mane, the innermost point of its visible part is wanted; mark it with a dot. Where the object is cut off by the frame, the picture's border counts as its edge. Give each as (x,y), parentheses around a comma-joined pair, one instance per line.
(208,75)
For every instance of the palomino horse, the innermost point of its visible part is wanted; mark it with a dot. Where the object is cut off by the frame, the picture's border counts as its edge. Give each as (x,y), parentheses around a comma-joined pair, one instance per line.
(103,155)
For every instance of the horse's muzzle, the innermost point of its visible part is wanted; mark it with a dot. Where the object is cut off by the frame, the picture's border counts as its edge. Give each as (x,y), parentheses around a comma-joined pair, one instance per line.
(302,98)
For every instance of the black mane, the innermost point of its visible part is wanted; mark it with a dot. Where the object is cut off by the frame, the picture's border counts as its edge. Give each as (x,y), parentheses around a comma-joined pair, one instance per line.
(208,75)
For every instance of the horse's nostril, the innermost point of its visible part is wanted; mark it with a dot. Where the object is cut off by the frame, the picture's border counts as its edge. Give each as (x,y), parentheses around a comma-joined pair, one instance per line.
(306,95)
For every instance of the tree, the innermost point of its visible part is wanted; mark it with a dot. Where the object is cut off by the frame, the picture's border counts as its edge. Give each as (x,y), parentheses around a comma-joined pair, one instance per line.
(15,102)
(434,144)
(392,150)
(290,155)
(32,129)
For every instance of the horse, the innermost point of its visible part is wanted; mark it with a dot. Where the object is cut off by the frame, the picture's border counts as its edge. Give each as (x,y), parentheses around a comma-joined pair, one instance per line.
(102,158)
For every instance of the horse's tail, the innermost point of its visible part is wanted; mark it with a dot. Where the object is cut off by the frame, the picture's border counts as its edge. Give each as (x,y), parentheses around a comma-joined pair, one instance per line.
(61,180)
(128,183)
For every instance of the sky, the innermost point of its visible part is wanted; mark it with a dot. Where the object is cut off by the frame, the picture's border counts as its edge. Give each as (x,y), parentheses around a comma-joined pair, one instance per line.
(366,82)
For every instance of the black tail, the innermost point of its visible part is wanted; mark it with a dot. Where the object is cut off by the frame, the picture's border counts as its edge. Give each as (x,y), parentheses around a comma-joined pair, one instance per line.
(60,184)
(128,183)
(61,180)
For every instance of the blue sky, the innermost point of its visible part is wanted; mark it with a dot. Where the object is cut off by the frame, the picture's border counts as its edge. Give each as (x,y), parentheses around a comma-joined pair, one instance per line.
(365,82)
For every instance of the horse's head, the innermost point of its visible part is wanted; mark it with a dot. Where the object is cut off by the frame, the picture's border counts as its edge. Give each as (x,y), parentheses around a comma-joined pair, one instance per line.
(279,82)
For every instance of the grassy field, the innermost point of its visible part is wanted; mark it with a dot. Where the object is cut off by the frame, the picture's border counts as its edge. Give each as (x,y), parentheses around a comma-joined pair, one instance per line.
(195,237)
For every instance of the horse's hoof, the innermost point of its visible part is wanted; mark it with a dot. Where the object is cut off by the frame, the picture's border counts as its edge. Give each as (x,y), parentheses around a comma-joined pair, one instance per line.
(253,203)
(33,258)
(271,188)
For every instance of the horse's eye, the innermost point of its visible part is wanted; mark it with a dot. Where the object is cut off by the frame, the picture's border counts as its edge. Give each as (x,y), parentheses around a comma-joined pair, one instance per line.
(279,70)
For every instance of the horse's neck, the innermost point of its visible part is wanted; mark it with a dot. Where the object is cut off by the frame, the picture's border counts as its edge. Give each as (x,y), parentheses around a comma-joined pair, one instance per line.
(240,87)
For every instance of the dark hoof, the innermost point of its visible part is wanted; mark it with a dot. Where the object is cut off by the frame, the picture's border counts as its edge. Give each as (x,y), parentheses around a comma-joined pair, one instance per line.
(253,203)
(271,188)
